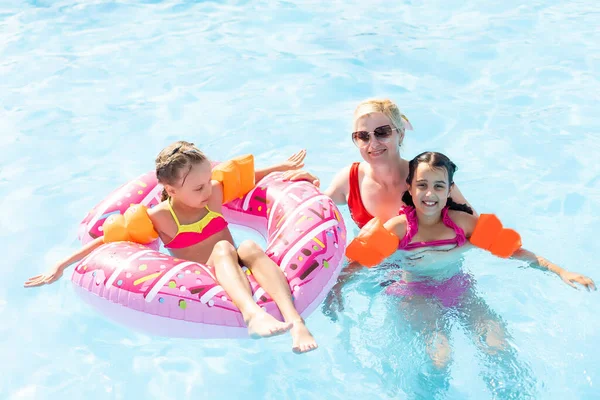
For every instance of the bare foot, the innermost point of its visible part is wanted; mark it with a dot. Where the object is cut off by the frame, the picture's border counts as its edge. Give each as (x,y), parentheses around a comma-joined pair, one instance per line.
(261,324)
(303,341)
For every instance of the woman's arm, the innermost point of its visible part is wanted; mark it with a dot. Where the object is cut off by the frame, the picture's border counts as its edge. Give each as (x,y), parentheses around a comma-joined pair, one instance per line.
(458,197)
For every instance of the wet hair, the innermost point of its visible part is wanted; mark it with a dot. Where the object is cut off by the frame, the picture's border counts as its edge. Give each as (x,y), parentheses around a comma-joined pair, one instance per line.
(175,162)
(435,161)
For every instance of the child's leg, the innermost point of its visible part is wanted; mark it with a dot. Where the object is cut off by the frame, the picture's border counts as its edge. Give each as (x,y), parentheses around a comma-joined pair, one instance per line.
(487,330)
(426,316)
(270,277)
(504,373)
(438,348)
(229,274)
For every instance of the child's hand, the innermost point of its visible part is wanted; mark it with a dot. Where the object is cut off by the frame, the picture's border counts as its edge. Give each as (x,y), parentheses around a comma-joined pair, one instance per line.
(570,277)
(296,161)
(334,303)
(54,274)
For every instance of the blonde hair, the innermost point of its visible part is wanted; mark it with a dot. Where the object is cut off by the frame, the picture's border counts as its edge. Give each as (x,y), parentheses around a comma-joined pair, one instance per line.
(387,108)
(175,158)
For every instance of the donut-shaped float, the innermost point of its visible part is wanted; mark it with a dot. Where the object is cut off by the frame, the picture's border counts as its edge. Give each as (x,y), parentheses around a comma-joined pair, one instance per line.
(151,291)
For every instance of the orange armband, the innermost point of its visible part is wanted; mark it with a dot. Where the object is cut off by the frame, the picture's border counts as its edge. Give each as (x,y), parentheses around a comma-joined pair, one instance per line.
(373,244)
(133,226)
(490,235)
(236,175)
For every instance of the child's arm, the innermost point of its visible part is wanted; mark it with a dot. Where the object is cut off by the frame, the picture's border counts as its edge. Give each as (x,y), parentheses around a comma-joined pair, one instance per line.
(533,260)
(468,222)
(334,302)
(375,242)
(296,161)
(57,270)
(235,178)
(397,225)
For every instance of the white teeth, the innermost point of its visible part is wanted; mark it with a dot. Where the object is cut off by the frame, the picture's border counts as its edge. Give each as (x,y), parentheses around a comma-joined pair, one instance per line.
(429,203)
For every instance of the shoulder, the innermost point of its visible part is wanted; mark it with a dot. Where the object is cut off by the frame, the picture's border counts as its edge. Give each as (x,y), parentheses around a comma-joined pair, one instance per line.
(158,210)
(160,216)
(215,202)
(397,225)
(217,187)
(216,195)
(464,220)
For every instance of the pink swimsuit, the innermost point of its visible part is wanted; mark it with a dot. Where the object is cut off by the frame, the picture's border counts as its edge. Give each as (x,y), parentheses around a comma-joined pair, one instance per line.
(413,227)
(449,291)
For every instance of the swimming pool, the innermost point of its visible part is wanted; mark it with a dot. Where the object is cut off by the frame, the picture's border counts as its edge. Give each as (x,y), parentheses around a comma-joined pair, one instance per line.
(91,91)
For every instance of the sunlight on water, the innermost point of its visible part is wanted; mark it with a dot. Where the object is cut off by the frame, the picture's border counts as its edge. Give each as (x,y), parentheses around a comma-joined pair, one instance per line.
(93,90)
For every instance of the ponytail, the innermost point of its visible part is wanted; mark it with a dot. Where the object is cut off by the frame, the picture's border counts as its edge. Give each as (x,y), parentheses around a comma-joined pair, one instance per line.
(452,205)
(407,199)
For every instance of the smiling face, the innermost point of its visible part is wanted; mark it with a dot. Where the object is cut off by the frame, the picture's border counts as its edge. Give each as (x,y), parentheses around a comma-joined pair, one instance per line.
(383,140)
(430,189)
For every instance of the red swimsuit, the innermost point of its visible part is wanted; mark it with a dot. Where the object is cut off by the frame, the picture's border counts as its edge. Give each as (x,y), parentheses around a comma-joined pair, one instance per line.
(358,212)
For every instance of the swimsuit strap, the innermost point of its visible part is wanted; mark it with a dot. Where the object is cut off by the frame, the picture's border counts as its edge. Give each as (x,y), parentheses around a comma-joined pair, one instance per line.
(461,238)
(412,225)
(173,214)
(358,211)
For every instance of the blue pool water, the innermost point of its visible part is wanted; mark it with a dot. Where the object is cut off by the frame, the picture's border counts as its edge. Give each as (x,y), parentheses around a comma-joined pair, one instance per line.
(92,90)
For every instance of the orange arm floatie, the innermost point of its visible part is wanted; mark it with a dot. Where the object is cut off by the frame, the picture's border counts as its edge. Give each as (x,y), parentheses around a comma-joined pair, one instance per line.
(236,175)
(490,235)
(134,226)
(373,244)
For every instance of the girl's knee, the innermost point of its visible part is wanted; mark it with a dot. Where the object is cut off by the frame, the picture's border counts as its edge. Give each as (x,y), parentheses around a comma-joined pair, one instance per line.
(495,341)
(249,248)
(439,350)
(224,248)
(493,338)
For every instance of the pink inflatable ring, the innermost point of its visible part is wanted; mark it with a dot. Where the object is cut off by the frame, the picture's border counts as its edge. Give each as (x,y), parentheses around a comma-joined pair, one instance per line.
(151,291)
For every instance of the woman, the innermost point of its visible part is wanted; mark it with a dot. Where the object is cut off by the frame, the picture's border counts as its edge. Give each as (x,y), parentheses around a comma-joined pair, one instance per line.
(374,187)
